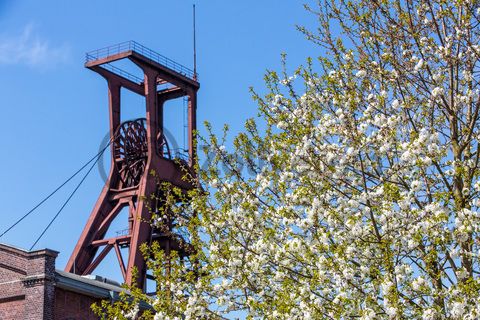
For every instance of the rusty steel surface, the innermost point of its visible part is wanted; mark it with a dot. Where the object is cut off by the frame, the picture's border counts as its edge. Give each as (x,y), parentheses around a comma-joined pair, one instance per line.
(138,148)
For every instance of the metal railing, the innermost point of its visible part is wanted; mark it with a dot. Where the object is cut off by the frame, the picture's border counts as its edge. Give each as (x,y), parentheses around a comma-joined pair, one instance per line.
(144,51)
(122,73)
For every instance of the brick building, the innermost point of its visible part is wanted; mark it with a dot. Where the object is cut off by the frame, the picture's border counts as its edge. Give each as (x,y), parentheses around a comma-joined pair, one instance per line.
(32,289)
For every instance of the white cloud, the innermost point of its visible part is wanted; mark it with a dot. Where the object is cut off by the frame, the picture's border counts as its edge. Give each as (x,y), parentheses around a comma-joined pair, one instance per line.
(30,49)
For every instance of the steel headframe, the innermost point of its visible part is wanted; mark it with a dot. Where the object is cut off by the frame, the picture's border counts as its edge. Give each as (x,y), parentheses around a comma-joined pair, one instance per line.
(136,152)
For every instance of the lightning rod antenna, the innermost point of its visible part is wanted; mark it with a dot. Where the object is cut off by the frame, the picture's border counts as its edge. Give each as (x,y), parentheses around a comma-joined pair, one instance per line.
(194,47)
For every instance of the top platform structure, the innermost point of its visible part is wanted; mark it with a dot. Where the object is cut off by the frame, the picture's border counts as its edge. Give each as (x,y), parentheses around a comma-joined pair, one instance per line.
(104,57)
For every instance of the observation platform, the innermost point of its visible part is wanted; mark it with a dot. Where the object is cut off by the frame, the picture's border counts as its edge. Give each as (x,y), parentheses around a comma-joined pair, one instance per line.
(171,72)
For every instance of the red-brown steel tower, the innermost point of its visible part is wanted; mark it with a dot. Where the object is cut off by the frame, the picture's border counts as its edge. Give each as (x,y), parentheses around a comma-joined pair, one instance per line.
(138,147)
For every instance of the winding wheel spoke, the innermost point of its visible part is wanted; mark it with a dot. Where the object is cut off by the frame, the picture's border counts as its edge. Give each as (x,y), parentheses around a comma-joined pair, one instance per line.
(131,151)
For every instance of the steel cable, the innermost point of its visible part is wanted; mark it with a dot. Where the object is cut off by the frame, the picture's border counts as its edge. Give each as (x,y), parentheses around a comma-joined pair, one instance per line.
(96,158)
(69,197)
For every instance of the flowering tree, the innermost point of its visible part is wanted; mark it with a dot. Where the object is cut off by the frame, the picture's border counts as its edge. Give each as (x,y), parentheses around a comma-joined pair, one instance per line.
(355,193)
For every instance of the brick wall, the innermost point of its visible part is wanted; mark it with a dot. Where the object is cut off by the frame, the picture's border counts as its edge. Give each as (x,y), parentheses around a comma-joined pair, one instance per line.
(31,289)
(12,271)
(12,309)
(39,285)
(73,306)
(27,283)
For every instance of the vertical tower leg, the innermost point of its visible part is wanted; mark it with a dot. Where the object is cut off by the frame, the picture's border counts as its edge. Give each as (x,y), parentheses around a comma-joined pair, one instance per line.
(142,228)
(141,232)
(192,127)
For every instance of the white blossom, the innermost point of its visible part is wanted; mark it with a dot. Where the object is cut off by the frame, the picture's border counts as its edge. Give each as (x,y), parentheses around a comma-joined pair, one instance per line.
(361,74)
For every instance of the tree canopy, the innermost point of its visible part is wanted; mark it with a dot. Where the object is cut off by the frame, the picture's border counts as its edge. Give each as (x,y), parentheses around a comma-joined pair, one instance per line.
(354,194)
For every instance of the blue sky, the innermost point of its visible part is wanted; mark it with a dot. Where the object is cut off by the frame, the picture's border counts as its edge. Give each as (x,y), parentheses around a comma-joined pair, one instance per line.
(54,111)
